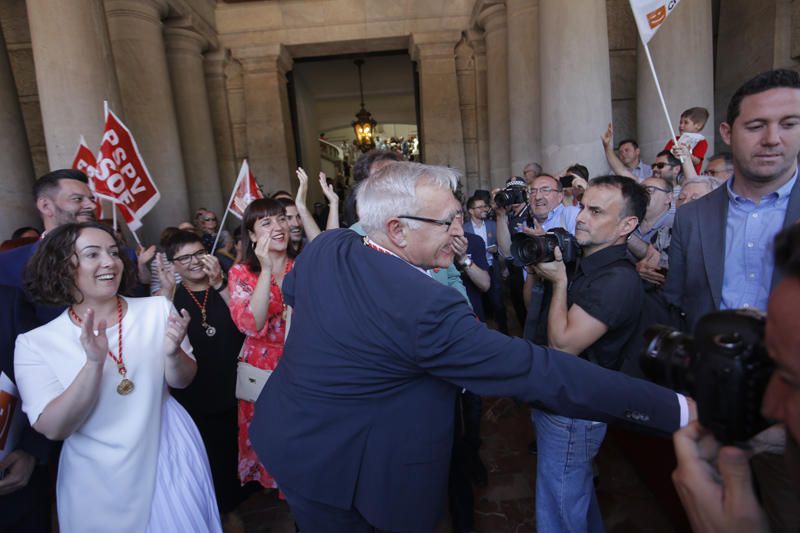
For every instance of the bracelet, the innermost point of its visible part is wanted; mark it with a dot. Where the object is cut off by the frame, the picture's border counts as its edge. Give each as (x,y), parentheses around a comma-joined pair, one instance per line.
(223,285)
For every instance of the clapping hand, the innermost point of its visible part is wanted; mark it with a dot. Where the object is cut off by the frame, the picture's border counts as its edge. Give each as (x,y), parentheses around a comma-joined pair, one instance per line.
(176,331)
(262,252)
(212,269)
(459,248)
(327,189)
(95,346)
(166,275)
(302,189)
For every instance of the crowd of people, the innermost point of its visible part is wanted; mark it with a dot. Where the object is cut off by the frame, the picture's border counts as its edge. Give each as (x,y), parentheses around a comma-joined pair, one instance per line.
(328,363)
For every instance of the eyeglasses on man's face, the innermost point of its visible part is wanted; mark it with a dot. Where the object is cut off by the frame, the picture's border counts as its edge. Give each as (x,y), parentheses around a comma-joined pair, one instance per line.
(540,190)
(209,219)
(187,259)
(439,222)
(652,188)
(661,165)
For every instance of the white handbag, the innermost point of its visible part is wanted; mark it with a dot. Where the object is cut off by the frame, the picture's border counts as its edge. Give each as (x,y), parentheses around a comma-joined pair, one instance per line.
(249,380)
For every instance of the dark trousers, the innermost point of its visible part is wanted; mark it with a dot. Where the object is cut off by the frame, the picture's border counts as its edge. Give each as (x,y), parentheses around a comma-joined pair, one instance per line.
(494,298)
(466,444)
(515,286)
(316,517)
(28,509)
(219,432)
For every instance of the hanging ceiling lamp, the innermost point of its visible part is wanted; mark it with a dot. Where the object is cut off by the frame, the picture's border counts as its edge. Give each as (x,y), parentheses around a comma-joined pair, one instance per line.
(364,125)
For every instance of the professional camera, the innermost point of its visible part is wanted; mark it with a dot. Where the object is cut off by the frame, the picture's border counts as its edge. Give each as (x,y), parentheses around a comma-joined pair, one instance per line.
(531,250)
(725,368)
(513,194)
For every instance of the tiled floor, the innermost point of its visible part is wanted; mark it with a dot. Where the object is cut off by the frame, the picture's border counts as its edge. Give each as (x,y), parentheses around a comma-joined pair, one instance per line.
(507,503)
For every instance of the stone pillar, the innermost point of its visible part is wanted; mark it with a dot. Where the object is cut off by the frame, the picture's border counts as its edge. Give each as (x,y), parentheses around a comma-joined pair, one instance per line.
(138,44)
(441,129)
(16,203)
(493,22)
(270,143)
(523,83)
(185,48)
(234,86)
(575,83)
(220,120)
(465,73)
(74,73)
(682,52)
(478,42)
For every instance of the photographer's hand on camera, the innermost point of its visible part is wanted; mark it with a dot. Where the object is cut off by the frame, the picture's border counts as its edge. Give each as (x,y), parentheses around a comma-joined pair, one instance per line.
(555,272)
(714,484)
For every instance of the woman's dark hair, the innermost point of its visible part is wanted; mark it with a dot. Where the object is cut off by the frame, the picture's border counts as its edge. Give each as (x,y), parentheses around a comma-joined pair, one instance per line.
(258,209)
(50,274)
(172,241)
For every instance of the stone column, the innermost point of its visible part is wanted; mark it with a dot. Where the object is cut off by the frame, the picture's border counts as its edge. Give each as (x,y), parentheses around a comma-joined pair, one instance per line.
(493,22)
(138,44)
(465,73)
(575,83)
(523,83)
(74,73)
(234,87)
(478,42)
(220,120)
(185,48)
(682,52)
(16,203)
(441,129)
(270,143)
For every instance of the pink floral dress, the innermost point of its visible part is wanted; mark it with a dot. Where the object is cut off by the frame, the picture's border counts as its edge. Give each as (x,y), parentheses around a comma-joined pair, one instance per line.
(262,348)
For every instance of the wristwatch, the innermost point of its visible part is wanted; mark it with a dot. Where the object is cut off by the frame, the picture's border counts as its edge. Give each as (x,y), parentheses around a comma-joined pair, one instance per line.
(223,284)
(465,264)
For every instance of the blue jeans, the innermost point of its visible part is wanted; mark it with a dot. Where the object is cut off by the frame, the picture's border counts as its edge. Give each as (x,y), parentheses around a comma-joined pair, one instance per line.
(565,498)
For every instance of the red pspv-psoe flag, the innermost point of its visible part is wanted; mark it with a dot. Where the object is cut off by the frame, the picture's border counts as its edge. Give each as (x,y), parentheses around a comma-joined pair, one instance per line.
(650,15)
(245,191)
(122,175)
(86,162)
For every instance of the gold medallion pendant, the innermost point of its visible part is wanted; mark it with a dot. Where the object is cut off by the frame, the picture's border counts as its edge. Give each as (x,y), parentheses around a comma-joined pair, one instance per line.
(125,387)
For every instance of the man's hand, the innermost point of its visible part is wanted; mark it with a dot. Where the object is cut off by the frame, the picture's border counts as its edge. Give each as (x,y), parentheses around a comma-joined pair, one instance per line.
(18,467)
(459,248)
(608,136)
(554,271)
(718,499)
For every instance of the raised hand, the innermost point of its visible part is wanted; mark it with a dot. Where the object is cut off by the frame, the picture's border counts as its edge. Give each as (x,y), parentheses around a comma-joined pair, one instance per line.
(166,275)
(327,189)
(262,252)
(302,189)
(212,269)
(459,247)
(608,136)
(145,255)
(176,331)
(95,346)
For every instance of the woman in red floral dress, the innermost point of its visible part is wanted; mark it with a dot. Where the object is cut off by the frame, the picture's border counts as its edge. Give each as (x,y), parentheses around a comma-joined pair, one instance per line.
(258,311)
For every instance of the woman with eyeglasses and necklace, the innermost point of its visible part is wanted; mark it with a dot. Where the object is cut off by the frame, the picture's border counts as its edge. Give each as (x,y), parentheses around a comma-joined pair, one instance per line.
(210,399)
(258,310)
(97,377)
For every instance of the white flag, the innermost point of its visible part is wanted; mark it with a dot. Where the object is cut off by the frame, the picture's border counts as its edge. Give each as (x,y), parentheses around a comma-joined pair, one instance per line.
(650,15)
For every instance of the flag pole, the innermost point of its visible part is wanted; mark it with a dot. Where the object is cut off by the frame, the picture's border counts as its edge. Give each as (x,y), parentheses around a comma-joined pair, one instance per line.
(658,89)
(114,215)
(135,237)
(227,206)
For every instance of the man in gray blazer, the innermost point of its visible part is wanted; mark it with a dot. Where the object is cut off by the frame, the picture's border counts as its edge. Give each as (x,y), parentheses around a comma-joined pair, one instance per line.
(720,254)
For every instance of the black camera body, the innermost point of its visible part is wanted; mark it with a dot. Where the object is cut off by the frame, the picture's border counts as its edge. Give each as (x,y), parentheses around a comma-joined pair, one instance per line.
(531,250)
(513,194)
(725,368)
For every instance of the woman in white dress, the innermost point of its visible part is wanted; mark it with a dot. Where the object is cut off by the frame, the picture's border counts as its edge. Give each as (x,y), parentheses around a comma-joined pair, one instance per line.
(96,377)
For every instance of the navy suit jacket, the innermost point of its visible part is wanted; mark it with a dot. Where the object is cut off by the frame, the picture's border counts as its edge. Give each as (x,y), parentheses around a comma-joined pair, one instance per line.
(12,271)
(16,317)
(491,231)
(359,411)
(697,253)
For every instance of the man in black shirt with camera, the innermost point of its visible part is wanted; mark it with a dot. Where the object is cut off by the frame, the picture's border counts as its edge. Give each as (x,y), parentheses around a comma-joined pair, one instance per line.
(594,314)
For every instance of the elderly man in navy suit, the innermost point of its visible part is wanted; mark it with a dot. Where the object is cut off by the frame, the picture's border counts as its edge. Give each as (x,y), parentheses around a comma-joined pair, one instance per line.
(356,422)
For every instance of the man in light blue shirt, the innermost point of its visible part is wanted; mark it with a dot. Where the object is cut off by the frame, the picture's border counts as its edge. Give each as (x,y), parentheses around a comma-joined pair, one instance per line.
(720,253)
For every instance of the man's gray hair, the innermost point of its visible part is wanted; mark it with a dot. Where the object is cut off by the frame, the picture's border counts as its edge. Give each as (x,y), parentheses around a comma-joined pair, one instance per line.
(392,191)
(710,183)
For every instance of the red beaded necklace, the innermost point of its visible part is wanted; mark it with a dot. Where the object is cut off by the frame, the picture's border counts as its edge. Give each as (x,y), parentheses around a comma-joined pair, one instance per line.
(125,386)
(210,330)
